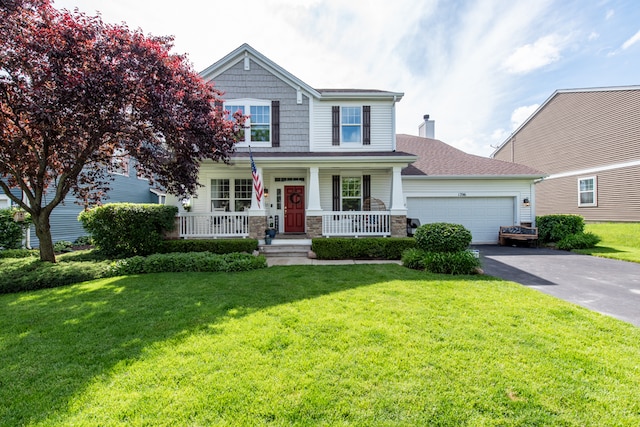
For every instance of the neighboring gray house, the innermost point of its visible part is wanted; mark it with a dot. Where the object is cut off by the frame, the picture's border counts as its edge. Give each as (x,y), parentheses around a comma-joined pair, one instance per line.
(330,164)
(126,187)
(588,143)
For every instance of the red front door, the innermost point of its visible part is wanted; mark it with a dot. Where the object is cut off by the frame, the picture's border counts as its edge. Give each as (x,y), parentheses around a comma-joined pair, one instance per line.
(294,209)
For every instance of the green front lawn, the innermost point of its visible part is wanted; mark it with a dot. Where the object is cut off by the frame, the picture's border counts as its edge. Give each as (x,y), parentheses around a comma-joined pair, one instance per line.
(619,241)
(377,345)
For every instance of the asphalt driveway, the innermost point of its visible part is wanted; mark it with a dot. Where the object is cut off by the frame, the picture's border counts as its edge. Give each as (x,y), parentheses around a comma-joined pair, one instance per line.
(604,285)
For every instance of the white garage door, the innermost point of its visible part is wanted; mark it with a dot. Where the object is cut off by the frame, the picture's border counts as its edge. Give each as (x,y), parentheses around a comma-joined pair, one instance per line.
(483,216)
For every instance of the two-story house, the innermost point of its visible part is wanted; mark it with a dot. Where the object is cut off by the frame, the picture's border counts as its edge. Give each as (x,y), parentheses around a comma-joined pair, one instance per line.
(330,165)
(588,143)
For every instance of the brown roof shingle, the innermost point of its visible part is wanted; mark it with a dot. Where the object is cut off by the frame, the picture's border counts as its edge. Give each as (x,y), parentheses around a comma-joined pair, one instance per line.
(435,158)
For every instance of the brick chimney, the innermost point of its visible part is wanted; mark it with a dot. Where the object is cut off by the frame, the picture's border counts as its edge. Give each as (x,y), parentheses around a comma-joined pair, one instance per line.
(427,128)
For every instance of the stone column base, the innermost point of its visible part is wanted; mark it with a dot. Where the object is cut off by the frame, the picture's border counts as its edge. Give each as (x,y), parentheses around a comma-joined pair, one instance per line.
(398,226)
(257,225)
(314,226)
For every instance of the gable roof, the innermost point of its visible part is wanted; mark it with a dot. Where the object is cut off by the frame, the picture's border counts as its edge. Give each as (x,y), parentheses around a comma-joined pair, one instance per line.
(237,55)
(553,95)
(439,160)
(245,50)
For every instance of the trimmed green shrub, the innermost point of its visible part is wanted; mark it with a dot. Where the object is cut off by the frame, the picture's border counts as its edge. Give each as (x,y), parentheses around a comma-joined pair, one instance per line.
(19,253)
(414,258)
(62,246)
(361,248)
(553,228)
(578,241)
(215,246)
(442,237)
(187,262)
(83,241)
(29,274)
(11,232)
(462,262)
(128,229)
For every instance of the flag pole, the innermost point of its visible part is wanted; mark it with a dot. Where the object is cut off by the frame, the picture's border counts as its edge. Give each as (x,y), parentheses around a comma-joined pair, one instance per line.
(257,181)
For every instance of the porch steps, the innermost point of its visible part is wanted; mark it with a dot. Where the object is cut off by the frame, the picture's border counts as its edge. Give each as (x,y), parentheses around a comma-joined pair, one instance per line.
(285,248)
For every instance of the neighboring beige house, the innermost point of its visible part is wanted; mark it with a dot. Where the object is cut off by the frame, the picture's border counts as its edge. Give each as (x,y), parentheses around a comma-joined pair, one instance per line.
(588,142)
(331,165)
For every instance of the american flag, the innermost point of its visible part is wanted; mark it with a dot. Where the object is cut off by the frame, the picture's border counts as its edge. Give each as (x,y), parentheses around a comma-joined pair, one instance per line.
(257,182)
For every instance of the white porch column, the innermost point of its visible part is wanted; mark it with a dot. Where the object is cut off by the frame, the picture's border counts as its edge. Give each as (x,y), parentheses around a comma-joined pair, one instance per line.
(314,190)
(397,194)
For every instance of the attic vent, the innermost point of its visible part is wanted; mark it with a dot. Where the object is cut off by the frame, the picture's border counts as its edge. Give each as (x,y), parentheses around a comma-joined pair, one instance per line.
(247,63)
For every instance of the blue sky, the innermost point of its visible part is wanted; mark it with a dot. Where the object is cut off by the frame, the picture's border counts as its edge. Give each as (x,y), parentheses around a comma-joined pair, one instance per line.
(478,67)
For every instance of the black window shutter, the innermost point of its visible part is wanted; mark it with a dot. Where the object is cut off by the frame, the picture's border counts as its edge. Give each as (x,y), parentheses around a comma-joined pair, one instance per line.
(366,125)
(218,105)
(336,193)
(275,123)
(366,192)
(335,125)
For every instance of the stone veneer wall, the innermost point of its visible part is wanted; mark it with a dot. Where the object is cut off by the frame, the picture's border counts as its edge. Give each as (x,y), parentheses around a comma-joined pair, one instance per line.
(314,226)
(398,226)
(257,225)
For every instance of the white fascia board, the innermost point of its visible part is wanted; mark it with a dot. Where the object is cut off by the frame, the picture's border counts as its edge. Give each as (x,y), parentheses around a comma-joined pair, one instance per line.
(350,96)
(457,177)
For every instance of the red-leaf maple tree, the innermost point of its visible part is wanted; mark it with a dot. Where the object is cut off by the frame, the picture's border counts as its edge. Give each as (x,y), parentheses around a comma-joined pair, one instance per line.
(75,91)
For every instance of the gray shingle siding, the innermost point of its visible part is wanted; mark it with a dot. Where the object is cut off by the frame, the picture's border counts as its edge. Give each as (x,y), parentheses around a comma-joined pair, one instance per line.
(261,84)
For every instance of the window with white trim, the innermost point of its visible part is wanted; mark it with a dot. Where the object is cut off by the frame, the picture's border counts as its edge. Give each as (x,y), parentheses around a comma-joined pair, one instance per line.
(223,199)
(587,191)
(351,124)
(258,124)
(351,194)
(242,193)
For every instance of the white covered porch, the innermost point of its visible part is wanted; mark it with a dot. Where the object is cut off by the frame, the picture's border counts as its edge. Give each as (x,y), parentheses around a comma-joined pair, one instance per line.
(310,195)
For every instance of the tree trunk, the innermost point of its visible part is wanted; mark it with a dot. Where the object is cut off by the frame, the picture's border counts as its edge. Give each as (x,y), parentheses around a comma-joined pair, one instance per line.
(43,231)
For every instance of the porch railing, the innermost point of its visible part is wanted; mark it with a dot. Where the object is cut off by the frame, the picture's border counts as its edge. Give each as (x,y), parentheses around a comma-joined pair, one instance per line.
(215,224)
(362,223)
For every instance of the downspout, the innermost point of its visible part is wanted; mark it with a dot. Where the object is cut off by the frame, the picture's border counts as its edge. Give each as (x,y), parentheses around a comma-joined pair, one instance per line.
(393,124)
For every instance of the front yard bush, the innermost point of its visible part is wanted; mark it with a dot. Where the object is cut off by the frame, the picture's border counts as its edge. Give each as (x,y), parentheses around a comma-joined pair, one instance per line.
(578,241)
(187,262)
(461,262)
(128,229)
(361,248)
(19,253)
(29,274)
(442,237)
(413,258)
(553,228)
(215,246)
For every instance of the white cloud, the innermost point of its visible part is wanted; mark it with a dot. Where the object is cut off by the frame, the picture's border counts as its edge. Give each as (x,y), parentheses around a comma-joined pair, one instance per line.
(610,13)
(594,36)
(529,57)
(631,41)
(521,114)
